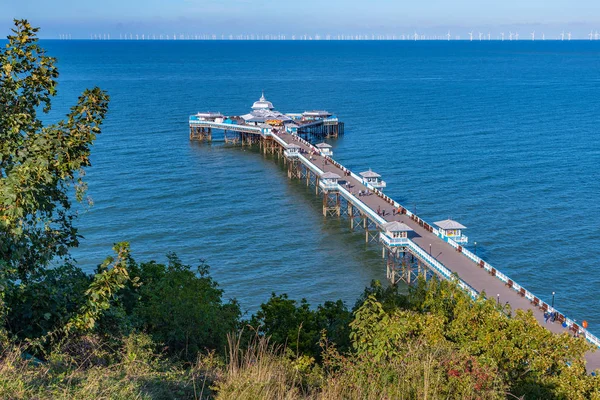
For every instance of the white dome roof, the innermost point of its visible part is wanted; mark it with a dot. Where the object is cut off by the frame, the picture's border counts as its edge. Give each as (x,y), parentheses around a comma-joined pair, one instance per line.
(262,104)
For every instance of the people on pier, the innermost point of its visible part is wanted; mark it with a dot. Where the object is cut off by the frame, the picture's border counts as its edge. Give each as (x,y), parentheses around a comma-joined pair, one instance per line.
(378,210)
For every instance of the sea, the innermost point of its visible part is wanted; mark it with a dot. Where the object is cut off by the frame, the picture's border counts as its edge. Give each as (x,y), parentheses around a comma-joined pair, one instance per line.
(500,136)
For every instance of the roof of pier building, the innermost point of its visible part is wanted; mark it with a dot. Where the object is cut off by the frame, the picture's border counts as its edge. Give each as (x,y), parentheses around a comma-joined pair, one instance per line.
(323,145)
(330,175)
(262,111)
(209,114)
(370,174)
(396,226)
(262,104)
(450,224)
(317,113)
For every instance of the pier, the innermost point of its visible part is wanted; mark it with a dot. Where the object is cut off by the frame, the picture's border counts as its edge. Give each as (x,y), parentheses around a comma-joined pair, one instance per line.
(410,246)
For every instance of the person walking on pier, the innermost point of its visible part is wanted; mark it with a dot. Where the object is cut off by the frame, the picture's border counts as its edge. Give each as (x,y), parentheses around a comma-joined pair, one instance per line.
(378,210)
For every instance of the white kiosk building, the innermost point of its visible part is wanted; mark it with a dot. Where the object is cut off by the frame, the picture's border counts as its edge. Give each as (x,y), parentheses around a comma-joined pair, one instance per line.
(292,150)
(373,179)
(395,234)
(452,230)
(324,149)
(329,181)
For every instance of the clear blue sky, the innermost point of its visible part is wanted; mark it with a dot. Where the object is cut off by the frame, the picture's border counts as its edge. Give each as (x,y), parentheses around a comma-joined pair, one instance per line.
(82,18)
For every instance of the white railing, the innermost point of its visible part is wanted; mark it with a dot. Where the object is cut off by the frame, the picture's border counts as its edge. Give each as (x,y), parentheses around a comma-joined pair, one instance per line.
(362,206)
(393,241)
(441,269)
(310,165)
(458,239)
(328,185)
(227,127)
(279,140)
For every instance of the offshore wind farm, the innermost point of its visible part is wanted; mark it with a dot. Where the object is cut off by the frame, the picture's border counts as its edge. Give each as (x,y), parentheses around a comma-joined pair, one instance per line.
(467,35)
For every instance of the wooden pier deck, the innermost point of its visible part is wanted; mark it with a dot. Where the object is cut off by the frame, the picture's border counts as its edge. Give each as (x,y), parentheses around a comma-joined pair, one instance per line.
(479,279)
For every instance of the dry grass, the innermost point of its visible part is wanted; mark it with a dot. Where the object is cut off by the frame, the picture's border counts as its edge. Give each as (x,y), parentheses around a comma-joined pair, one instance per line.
(134,378)
(259,371)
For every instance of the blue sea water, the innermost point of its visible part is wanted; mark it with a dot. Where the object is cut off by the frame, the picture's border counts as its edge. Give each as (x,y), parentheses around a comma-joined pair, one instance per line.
(502,136)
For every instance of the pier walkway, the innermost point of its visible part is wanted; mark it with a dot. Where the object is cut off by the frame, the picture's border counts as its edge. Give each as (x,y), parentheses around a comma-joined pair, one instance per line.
(411,246)
(473,276)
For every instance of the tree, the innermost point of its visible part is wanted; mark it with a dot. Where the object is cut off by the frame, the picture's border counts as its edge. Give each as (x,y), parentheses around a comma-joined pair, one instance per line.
(183,308)
(296,326)
(39,164)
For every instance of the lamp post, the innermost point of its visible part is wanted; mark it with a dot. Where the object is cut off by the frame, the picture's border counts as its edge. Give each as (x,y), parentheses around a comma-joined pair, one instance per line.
(498,298)
(429,248)
(553,293)
(475,248)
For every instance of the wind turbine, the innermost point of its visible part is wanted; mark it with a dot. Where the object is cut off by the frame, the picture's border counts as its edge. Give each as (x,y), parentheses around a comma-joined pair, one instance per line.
(471,36)
(510,35)
(517,36)
(562,35)
(502,35)
(596,35)
(489,36)
(543,36)
(448,35)
(480,36)
(416,36)
(591,35)
(569,35)
(533,35)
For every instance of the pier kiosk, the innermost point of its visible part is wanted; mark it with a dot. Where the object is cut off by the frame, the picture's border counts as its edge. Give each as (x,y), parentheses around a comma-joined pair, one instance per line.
(373,179)
(328,182)
(452,230)
(291,150)
(394,238)
(324,149)
(395,234)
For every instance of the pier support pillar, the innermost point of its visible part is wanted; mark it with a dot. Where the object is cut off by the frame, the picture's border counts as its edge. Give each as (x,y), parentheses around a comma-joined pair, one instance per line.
(331,204)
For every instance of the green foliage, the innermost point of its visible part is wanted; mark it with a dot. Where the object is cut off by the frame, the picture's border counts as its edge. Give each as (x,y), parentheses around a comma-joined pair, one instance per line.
(405,354)
(102,291)
(182,308)
(39,164)
(299,328)
(531,360)
(389,296)
(46,302)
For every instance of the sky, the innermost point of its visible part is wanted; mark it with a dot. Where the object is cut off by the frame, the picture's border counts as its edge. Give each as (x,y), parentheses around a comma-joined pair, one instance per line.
(84,18)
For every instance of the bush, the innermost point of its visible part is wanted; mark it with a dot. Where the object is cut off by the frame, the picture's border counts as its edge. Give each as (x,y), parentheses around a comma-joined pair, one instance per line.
(46,302)
(299,328)
(182,308)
